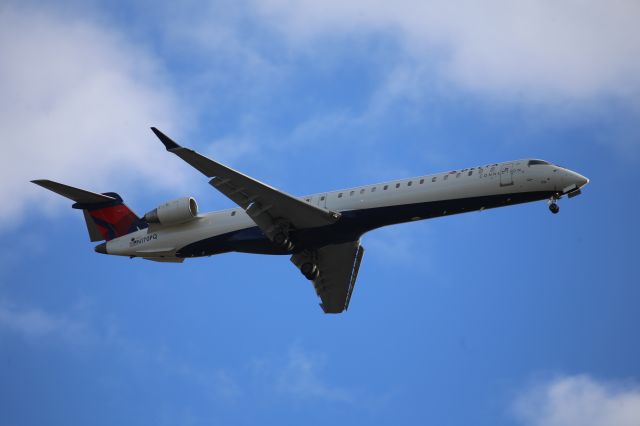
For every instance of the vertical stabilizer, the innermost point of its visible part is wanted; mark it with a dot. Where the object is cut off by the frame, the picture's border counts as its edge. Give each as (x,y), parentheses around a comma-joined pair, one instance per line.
(106,215)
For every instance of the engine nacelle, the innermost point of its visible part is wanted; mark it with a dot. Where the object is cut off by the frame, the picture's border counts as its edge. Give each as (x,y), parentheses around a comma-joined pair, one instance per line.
(174,212)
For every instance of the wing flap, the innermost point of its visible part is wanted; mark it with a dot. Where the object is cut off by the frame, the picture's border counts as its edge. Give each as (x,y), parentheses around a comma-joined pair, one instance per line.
(338,266)
(354,275)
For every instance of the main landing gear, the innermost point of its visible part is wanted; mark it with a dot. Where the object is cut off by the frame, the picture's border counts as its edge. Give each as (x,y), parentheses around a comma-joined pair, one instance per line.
(307,263)
(282,240)
(310,271)
(553,204)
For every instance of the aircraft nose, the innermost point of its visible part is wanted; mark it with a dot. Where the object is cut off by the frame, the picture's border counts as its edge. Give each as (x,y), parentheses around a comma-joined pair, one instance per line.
(101,248)
(578,179)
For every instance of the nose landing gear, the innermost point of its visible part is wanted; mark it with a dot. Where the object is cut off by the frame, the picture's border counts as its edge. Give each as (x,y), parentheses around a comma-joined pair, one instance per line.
(553,204)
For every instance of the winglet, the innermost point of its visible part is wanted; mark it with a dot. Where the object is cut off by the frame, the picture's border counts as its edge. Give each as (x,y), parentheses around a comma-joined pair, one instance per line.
(166,140)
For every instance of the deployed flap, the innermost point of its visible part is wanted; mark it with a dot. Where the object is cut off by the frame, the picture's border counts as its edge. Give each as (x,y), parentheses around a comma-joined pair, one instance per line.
(263,203)
(78,195)
(338,266)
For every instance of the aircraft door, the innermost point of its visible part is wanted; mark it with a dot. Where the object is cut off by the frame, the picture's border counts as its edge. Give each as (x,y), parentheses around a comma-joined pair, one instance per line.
(322,201)
(506,177)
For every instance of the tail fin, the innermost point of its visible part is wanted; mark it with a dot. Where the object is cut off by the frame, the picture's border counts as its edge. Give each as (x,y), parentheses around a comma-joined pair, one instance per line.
(106,215)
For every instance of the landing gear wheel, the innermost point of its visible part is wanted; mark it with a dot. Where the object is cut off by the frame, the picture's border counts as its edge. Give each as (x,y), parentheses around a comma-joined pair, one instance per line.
(280,239)
(310,271)
(307,268)
(554,208)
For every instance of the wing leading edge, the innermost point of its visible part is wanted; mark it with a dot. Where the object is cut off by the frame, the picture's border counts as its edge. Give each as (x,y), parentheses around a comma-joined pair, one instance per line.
(269,207)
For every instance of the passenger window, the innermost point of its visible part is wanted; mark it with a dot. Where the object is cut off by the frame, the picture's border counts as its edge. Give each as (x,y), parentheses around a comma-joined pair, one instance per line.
(470,172)
(386,187)
(362,191)
(340,195)
(433,179)
(458,174)
(397,185)
(233,213)
(373,189)
(322,198)
(352,192)
(421,181)
(409,183)
(307,199)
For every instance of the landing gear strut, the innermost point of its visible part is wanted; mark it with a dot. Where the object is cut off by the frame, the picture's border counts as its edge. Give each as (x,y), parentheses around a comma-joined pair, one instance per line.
(553,206)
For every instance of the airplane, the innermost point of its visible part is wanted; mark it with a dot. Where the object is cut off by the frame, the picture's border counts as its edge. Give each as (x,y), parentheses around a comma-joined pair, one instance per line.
(321,232)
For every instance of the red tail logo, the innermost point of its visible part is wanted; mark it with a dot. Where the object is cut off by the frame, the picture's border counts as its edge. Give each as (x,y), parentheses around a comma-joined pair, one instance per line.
(113,219)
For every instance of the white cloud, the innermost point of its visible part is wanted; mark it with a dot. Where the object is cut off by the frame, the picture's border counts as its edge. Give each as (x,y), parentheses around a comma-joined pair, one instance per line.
(571,49)
(579,400)
(219,384)
(77,102)
(212,31)
(401,245)
(298,377)
(33,324)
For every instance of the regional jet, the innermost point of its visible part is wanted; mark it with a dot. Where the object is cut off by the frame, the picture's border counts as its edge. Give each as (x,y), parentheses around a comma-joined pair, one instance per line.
(321,232)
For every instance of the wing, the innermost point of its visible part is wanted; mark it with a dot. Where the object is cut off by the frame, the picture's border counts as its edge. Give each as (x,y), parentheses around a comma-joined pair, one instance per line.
(338,267)
(267,206)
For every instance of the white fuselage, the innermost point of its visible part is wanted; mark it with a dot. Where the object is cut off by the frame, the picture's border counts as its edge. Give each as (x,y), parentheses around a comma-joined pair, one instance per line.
(490,182)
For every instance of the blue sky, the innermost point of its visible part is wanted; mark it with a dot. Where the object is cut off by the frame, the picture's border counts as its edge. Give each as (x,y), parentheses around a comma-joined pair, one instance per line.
(505,317)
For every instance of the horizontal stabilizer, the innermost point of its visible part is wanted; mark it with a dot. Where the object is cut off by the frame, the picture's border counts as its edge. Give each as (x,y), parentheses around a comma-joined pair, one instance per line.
(75,194)
(106,215)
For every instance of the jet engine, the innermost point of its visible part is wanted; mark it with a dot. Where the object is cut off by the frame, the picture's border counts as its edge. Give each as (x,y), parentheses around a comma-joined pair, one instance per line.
(173,212)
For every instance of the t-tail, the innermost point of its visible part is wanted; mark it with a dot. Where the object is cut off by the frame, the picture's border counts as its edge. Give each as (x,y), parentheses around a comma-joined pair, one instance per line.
(106,215)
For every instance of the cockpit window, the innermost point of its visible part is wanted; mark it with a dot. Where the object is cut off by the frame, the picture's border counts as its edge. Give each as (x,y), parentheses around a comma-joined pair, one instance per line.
(537,162)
